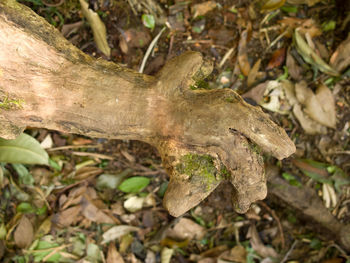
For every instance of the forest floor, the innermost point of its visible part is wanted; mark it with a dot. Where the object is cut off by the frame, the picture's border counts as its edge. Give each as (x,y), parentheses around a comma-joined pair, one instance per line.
(101,200)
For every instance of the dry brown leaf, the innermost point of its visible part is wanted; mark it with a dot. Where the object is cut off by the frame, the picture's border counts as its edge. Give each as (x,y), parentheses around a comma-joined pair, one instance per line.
(253,73)
(320,106)
(242,54)
(236,254)
(44,228)
(256,93)
(186,229)
(113,255)
(294,70)
(202,8)
(258,245)
(340,59)
(87,172)
(305,26)
(302,2)
(93,213)
(98,28)
(310,126)
(117,232)
(277,58)
(67,217)
(24,233)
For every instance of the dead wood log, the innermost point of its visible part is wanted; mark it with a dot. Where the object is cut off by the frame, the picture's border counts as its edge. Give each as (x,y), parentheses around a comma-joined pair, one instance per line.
(203,136)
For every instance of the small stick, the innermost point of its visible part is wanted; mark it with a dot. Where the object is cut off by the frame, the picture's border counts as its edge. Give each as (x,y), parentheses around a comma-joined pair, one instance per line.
(149,50)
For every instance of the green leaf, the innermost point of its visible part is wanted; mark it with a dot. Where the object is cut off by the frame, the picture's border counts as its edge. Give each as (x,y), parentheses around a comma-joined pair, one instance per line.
(43,249)
(329,25)
(24,149)
(291,179)
(162,189)
(25,208)
(24,176)
(310,56)
(134,184)
(148,21)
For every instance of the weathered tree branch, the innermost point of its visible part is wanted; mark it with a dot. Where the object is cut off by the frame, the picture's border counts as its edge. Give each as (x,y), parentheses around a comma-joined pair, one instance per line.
(203,136)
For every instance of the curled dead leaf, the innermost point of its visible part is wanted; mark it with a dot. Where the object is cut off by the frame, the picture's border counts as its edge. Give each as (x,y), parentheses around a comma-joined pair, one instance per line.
(242,54)
(98,28)
(340,59)
(201,9)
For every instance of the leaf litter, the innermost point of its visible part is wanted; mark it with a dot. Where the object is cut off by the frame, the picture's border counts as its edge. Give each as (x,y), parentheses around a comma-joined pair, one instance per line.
(88,219)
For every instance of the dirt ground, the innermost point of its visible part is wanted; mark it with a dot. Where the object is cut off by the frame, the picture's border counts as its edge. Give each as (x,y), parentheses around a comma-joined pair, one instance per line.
(289,57)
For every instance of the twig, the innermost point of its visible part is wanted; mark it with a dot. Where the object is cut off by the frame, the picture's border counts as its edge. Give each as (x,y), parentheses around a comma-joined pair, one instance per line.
(96,155)
(68,147)
(149,50)
(339,249)
(277,39)
(289,251)
(53,5)
(273,214)
(226,57)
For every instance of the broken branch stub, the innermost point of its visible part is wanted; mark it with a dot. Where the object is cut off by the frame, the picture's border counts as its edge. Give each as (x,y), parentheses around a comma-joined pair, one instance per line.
(203,136)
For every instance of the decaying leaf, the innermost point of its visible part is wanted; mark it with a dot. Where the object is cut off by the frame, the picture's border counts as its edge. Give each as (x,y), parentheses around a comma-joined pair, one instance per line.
(201,9)
(186,229)
(134,203)
(93,213)
(320,106)
(253,73)
(270,5)
(117,231)
(329,195)
(258,245)
(236,254)
(98,28)
(340,59)
(294,70)
(310,126)
(302,2)
(67,217)
(276,100)
(304,26)
(277,58)
(113,255)
(242,54)
(24,233)
(310,56)
(166,254)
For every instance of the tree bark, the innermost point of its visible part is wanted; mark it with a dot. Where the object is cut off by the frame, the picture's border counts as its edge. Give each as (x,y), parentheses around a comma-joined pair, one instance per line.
(203,136)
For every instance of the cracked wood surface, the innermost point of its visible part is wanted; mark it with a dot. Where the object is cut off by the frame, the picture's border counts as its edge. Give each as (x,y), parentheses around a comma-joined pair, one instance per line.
(203,136)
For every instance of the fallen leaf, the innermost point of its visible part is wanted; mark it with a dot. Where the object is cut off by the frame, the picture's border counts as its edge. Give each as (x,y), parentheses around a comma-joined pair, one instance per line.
(258,245)
(309,126)
(93,253)
(340,59)
(253,73)
(67,217)
(242,54)
(91,212)
(150,257)
(134,203)
(186,229)
(277,58)
(44,228)
(302,2)
(98,28)
(117,232)
(113,255)
(294,70)
(166,254)
(309,26)
(24,233)
(256,93)
(310,56)
(47,142)
(236,254)
(202,8)
(270,5)
(320,106)
(133,38)
(275,98)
